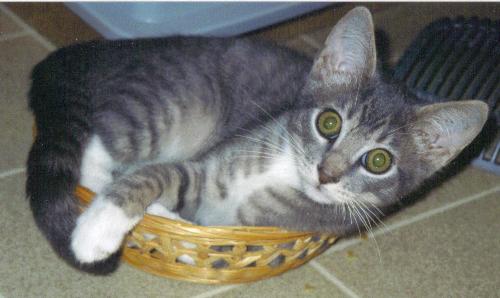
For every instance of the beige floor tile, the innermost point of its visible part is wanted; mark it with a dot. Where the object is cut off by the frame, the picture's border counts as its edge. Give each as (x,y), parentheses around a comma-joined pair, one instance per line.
(54,21)
(301,282)
(453,254)
(7,26)
(320,35)
(29,268)
(466,183)
(18,57)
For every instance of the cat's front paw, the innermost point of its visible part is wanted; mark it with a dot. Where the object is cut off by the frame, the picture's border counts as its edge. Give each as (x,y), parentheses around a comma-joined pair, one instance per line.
(99,231)
(159,210)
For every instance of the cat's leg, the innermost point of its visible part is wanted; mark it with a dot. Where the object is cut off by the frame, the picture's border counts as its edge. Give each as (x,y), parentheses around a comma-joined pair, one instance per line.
(101,229)
(159,209)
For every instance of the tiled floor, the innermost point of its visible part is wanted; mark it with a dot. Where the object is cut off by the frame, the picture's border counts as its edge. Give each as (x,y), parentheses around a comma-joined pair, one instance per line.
(448,244)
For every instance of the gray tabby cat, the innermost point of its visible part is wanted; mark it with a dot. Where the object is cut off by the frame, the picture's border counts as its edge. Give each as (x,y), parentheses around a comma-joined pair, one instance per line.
(255,136)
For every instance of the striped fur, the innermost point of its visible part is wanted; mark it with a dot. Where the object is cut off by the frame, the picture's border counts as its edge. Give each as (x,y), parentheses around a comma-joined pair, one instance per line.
(223,132)
(140,102)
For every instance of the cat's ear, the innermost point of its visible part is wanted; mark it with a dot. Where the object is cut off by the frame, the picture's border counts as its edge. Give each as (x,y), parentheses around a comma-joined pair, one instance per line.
(442,130)
(349,50)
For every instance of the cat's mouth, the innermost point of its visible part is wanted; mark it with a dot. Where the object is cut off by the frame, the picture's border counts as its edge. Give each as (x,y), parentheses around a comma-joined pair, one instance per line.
(336,193)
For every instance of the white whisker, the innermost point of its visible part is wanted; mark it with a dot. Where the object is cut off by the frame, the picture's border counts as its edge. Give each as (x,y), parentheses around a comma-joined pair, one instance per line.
(256,157)
(377,218)
(357,92)
(260,141)
(292,140)
(368,226)
(393,131)
(271,153)
(352,215)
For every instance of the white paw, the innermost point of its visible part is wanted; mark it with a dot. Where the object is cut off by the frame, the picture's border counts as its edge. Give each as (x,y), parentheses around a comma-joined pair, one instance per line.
(99,231)
(160,210)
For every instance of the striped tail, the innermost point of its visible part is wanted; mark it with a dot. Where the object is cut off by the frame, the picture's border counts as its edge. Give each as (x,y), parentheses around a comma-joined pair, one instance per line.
(63,116)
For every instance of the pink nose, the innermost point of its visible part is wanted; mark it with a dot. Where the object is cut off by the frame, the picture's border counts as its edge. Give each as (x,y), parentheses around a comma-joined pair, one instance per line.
(326,177)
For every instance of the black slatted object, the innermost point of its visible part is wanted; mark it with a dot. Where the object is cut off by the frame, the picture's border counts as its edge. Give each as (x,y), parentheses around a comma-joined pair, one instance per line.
(455,60)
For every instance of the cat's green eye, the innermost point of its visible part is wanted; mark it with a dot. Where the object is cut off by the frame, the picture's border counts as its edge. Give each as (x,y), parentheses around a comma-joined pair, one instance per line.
(377,161)
(329,124)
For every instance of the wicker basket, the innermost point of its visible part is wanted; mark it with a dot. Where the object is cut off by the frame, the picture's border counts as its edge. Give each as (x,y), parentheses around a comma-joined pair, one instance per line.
(215,255)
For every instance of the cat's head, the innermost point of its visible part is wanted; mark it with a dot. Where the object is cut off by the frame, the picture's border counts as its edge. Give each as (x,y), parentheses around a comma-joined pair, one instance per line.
(370,141)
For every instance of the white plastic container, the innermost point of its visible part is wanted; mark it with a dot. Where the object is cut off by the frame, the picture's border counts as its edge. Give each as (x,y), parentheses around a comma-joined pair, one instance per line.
(147,19)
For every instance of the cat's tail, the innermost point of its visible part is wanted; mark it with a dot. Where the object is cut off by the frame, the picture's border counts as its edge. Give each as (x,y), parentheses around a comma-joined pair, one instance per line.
(63,116)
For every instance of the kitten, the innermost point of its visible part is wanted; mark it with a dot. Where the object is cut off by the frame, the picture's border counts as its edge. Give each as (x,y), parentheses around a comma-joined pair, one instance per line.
(239,132)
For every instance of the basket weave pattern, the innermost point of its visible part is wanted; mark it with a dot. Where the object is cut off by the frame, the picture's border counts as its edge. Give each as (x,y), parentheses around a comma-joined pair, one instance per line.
(215,255)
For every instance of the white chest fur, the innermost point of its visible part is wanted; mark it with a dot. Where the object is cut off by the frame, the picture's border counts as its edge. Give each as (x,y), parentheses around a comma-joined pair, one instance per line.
(282,170)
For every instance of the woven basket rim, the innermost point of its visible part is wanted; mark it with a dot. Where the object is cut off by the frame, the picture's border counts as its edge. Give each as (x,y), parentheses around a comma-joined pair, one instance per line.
(181,229)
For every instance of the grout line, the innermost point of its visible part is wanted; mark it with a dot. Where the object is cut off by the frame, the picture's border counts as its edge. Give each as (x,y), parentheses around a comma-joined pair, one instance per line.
(416,218)
(438,210)
(11,36)
(389,228)
(311,41)
(12,172)
(45,43)
(328,275)
(216,291)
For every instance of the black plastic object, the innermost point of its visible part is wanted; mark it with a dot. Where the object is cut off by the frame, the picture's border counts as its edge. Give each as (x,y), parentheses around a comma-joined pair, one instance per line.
(454,60)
